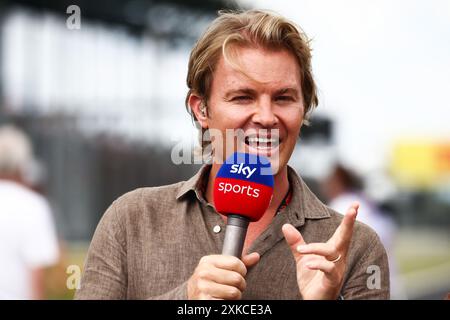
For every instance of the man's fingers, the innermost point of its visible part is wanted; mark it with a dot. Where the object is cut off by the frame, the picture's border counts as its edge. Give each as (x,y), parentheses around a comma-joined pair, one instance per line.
(251,259)
(292,236)
(326,250)
(226,262)
(344,232)
(323,265)
(229,278)
(222,291)
(219,276)
(293,239)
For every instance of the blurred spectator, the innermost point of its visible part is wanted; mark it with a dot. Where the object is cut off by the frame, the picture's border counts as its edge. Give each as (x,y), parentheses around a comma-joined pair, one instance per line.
(28,241)
(343,187)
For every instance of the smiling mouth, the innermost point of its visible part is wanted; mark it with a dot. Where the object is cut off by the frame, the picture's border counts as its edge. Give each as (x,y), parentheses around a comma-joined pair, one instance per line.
(262,143)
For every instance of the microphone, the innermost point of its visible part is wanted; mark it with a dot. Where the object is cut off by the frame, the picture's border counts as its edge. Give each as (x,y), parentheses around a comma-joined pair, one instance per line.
(243,189)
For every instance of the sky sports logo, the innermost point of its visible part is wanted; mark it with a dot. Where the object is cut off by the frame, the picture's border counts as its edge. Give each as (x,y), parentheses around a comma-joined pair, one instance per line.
(226,187)
(240,186)
(246,171)
(240,169)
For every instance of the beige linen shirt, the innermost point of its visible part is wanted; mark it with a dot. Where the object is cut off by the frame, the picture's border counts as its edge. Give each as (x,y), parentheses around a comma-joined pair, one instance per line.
(150,240)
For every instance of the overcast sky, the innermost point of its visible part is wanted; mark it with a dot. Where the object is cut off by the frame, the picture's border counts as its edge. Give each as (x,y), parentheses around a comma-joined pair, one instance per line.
(383,70)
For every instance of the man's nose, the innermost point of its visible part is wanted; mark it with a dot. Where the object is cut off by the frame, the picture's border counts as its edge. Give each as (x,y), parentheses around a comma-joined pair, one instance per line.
(264,114)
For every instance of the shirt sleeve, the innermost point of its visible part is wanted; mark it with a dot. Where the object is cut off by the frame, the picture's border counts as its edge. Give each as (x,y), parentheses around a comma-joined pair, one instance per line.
(105,270)
(40,245)
(369,276)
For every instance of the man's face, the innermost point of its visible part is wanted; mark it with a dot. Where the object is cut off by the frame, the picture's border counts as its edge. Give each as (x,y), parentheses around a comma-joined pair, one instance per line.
(273,101)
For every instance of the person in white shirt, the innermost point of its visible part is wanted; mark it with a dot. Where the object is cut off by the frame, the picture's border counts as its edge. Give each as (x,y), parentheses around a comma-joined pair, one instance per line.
(28,241)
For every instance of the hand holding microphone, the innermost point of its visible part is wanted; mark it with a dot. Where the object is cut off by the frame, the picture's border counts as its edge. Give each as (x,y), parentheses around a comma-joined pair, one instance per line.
(220,277)
(243,190)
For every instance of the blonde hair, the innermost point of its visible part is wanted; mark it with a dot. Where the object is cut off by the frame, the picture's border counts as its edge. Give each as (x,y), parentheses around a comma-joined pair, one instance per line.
(252,28)
(15,151)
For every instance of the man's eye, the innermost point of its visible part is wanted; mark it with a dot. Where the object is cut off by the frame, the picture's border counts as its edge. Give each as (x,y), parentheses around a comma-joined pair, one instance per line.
(242,98)
(284,98)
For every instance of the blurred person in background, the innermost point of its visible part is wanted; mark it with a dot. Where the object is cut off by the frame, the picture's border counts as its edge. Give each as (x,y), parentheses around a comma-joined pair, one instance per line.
(28,242)
(343,187)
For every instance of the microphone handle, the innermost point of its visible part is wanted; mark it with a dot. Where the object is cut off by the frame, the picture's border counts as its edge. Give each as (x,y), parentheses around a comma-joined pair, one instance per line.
(235,235)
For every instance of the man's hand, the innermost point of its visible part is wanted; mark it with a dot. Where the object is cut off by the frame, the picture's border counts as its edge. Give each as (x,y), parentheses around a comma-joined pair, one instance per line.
(220,277)
(321,266)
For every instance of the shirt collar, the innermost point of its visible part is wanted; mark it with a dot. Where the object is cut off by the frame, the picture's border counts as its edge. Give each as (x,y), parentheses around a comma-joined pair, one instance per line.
(304,204)
(196,184)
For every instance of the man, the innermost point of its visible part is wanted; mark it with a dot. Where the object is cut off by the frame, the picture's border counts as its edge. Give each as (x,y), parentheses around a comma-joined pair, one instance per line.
(28,242)
(249,72)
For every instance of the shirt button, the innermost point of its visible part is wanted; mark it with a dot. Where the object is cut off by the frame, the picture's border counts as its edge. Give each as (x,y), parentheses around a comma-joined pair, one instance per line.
(217,229)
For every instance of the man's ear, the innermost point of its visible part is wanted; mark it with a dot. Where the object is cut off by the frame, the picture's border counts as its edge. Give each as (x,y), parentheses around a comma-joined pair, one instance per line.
(198,108)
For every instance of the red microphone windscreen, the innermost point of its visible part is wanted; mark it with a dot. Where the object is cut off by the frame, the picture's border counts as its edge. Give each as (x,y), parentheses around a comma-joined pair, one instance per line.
(244,186)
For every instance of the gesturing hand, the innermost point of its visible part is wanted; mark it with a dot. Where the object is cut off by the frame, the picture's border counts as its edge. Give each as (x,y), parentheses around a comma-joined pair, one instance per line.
(321,266)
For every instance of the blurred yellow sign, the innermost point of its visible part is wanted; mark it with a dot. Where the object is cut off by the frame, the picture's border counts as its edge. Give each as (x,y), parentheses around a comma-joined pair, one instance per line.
(421,164)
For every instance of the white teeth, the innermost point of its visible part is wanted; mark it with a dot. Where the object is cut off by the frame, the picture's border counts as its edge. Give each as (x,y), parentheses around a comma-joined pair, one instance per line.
(262,140)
